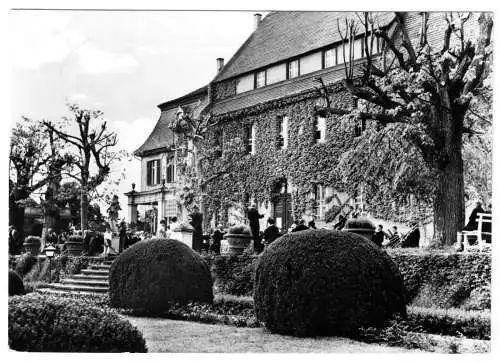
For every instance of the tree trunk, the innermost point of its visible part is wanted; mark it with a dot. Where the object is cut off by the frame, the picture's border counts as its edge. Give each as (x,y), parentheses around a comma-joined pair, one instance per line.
(449,205)
(84,208)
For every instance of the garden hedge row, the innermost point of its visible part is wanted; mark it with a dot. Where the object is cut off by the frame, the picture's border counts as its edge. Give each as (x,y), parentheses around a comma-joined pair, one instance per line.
(432,278)
(41,323)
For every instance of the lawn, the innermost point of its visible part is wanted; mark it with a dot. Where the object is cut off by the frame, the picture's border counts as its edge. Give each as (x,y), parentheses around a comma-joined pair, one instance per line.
(164,335)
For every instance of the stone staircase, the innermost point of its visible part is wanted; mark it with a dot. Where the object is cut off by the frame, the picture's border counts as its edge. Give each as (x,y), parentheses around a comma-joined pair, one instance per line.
(90,281)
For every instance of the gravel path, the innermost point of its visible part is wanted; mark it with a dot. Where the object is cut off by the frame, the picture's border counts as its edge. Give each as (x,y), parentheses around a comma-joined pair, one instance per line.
(163,335)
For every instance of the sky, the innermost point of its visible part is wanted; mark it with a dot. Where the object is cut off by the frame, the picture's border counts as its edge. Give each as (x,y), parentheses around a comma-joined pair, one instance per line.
(123,63)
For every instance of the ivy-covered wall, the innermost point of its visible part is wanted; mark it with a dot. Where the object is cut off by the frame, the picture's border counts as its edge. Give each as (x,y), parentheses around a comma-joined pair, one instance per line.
(303,163)
(224,89)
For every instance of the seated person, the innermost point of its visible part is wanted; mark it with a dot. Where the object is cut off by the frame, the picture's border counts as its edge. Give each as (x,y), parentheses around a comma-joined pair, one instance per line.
(300,226)
(271,232)
(394,238)
(472,224)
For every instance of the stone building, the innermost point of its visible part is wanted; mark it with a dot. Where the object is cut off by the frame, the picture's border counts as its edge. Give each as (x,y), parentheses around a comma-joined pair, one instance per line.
(267,96)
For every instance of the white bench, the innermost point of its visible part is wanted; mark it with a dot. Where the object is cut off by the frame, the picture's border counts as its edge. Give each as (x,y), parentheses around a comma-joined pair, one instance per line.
(482,219)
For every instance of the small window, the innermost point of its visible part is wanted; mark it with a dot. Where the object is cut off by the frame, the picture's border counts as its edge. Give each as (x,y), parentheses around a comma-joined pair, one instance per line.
(319,129)
(293,69)
(260,79)
(330,58)
(282,132)
(360,127)
(153,172)
(250,139)
(170,170)
(319,201)
(218,142)
(359,48)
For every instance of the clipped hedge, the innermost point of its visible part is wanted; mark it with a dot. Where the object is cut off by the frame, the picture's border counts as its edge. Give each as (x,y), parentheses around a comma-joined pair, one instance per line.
(471,324)
(446,280)
(156,273)
(39,323)
(432,278)
(320,282)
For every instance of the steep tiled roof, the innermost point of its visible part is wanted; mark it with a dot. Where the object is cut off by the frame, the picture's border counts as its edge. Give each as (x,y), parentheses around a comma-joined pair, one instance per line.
(285,34)
(162,136)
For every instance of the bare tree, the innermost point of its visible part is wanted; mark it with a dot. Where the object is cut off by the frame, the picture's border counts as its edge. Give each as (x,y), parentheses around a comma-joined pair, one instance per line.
(426,90)
(92,141)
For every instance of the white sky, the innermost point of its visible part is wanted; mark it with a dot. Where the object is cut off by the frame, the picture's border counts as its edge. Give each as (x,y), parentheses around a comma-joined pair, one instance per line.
(123,63)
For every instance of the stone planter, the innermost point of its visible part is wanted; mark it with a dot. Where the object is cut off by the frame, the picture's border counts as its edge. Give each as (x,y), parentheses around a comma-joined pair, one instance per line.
(74,245)
(237,243)
(361,226)
(183,235)
(32,245)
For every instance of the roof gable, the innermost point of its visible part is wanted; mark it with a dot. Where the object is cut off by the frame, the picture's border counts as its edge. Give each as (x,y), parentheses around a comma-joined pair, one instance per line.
(285,34)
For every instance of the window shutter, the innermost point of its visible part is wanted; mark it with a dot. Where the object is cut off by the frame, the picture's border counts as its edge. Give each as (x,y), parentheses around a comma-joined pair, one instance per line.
(148,168)
(158,170)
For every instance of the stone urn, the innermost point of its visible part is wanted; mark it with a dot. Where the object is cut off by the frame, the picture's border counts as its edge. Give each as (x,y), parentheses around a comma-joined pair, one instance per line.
(238,239)
(361,226)
(32,244)
(74,245)
(183,233)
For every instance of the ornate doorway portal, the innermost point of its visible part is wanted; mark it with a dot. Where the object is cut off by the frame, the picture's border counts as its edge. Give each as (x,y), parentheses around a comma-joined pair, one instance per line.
(282,205)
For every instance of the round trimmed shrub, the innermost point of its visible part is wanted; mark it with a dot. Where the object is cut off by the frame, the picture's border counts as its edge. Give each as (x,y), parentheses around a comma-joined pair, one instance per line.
(16,286)
(153,274)
(42,323)
(321,282)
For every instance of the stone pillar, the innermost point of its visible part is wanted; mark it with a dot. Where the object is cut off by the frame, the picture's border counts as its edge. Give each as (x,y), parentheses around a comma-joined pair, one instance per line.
(132,213)
(161,207)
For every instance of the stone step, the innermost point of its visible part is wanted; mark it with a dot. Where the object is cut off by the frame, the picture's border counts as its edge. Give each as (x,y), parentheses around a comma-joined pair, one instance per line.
(69,287)
(89,277)
(99,267)
(51,291)
(79,282)
(86,271)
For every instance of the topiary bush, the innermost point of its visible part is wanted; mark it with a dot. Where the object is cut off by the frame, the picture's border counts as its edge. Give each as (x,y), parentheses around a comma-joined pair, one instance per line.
(155,273)
(240,229)
(39,323)
(16,286)
(321,282)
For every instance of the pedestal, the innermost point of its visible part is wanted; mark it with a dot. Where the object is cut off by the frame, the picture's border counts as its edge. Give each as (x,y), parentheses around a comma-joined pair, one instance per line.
(115,243)
(185,237)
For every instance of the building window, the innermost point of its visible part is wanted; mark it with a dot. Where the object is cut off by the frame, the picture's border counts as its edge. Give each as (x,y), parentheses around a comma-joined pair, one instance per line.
(319,129)
(170,170)
(282,132)
(319,201)
(260,79)
(153,172)
(293,69)
(329,58)
(218,142)
(359,48)
(359,127)
(250,131)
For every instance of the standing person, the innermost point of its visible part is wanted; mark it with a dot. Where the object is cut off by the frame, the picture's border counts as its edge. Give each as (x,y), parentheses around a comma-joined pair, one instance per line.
(300,227)
(14,237)
(472,224)
(378,236)
(341,222)
(108,236)
(123,237)
(162,231)
(271,232)
(217,237)
(253,216)
(197,223)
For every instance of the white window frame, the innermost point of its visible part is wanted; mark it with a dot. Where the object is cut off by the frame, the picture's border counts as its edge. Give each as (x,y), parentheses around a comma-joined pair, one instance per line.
(320,200)
(260,79)
(321,128)
(254,136)
(330,58)
(284,132)
(293,69)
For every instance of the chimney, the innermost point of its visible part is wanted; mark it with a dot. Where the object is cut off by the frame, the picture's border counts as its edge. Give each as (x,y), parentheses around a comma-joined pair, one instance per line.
(220,64)
(257,19)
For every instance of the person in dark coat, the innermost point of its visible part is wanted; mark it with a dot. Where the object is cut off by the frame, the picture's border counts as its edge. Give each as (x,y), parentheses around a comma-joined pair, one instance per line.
(300,227)
(271,232)
(378,236)
(253,216)
(311,224)
(217,236)
(340,224)
(123,237)
(472,224)
(197,223)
